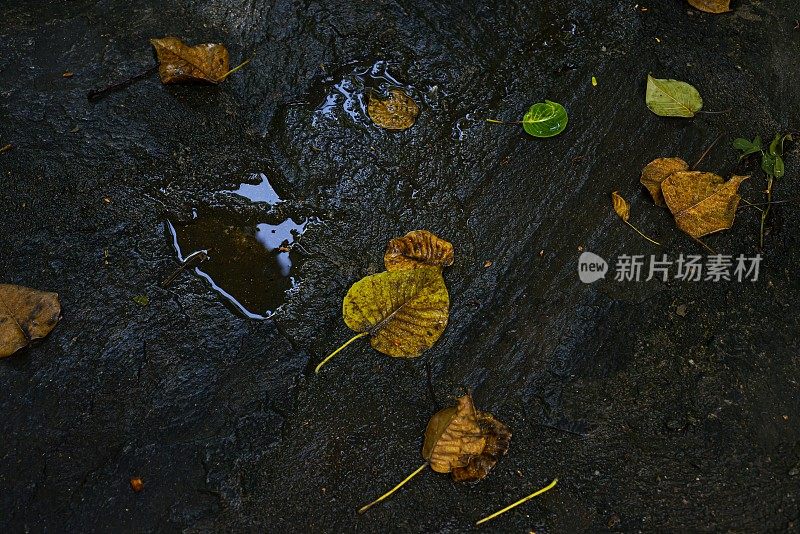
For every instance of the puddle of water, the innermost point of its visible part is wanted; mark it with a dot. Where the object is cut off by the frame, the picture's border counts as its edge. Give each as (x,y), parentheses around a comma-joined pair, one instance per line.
(250,265)
(260,192)
(350,93)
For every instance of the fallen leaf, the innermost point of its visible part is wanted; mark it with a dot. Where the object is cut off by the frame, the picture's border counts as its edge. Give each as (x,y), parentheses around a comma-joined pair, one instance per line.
(418,248)
(67,74)
(657,171)
(672,98)
(545,119)
(25,315)
(141,300)
(6,148)
(464,441)
(701,202)
(396,112)
(404,312)
(137,484)
(711,6)
(621,206)
(179,62)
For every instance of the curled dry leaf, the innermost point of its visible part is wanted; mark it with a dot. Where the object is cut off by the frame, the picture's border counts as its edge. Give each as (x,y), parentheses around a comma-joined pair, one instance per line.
(25,315)
(702,202)
(712,6)
(621,206)
(672,98)
(397,112)
(418,248)
(179,62)
(464,441)
(657,171)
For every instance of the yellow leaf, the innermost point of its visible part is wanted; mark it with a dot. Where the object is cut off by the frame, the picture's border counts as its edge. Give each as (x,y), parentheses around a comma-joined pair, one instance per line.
(404,312)
(179,62)
(418,248)
(25,315)
(621,206)
(712,6)
(657,171)
(701,202)
(397,112)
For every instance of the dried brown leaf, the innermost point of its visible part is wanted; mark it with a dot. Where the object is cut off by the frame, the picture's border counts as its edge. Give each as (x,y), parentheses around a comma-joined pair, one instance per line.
(179,62)
(25,315)
(702,202)
(711,6)
(657,171)
(621,206)
(397,112)
(418,248)
(464,441)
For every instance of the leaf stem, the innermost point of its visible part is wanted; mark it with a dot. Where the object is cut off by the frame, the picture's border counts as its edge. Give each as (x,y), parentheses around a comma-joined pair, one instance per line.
(715,112)
(95,94)
(514,505)
(711,250)
(714,142)
(641,234)
(495,121)
(334,353)
(388,493)
(234,69)
(765,211)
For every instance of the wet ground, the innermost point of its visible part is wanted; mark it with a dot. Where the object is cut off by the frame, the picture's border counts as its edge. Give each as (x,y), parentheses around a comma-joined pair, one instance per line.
(660,406)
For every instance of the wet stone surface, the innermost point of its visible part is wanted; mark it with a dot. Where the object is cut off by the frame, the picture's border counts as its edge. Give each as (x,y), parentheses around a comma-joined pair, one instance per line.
(652,419)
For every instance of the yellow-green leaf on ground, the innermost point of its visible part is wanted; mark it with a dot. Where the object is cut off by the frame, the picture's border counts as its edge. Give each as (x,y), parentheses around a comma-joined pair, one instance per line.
(25,315)
(179,62)
(396,112)
(657,171)
(712,6)
(621,206)
(702,202)
(672,98)
(418,248)
(404,312)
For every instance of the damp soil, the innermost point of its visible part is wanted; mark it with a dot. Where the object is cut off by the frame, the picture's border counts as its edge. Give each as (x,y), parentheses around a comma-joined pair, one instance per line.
(660,406)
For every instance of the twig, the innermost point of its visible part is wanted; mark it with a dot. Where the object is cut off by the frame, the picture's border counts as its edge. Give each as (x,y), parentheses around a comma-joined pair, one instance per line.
(750,204)
(96,94)
(696,163)
(6,148)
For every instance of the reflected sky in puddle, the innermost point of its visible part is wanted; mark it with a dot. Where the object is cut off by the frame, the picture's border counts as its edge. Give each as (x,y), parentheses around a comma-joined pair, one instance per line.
(251,264)
(349,94)
(260,192)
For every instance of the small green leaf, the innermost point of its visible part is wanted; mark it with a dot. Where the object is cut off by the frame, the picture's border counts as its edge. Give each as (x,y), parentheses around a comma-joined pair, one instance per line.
(545,119)
(672,98)
(776,147)
(768,163)
(779,170)
(747,147)
(141,300)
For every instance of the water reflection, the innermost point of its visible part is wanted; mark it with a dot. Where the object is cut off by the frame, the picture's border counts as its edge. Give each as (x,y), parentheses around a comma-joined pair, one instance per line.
(260,192)
(250,265)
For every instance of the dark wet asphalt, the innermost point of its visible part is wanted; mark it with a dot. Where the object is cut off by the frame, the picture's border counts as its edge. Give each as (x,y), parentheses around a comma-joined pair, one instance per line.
(651,420)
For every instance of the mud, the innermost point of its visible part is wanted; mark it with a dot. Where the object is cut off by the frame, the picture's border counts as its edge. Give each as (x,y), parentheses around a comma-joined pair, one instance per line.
(651,419)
